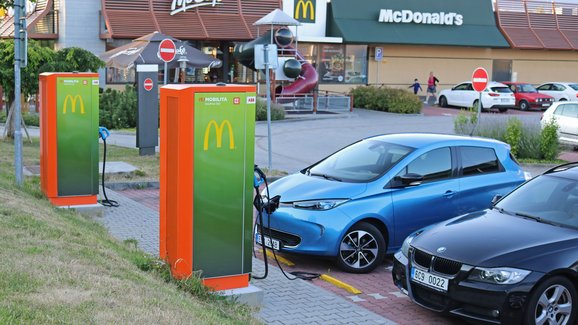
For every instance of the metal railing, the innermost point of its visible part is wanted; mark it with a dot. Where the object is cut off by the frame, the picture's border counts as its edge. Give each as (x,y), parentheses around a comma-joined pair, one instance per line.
(319,101)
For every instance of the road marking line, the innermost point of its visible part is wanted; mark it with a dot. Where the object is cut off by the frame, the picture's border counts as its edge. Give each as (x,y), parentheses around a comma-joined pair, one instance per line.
(377,296)
(398,294)
(356,299)
(281,259)
(340,284)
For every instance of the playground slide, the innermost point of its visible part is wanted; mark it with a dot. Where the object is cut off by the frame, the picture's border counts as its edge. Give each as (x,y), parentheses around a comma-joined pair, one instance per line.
(304,84)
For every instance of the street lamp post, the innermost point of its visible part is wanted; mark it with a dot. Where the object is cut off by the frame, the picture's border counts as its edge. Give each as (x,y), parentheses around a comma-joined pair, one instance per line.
(183,67)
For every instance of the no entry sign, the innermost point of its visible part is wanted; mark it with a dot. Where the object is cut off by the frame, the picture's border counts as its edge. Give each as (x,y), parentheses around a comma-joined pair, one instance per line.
(167,50)
(148,84)
(480,79)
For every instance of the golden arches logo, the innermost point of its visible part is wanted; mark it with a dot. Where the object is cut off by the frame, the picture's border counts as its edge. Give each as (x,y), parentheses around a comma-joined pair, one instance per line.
(73,100)
(302,7)
(219,132)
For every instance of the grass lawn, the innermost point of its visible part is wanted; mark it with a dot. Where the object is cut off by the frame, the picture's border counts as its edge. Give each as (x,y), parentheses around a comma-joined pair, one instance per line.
(61,268)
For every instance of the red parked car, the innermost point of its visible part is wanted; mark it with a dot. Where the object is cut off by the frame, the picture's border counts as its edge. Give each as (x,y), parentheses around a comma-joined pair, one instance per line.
(528,97)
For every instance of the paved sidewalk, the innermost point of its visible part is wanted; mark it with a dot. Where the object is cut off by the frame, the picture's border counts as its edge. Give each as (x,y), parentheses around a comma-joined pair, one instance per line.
(286,302)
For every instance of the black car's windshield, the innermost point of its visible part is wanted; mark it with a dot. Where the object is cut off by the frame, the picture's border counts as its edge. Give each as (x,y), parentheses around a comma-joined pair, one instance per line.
(361,162)
(526,88)
(548,199)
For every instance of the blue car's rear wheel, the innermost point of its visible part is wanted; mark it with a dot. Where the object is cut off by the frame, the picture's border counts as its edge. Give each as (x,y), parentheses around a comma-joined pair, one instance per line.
(362,249)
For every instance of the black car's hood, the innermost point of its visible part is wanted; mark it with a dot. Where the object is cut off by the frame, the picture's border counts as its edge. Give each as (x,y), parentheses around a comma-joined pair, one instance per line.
(493,239)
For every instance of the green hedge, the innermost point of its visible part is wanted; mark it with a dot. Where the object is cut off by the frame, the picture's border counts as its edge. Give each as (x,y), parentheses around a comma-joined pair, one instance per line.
(386,99)
(527,140)
(29,118)
(118,108)
(277,111)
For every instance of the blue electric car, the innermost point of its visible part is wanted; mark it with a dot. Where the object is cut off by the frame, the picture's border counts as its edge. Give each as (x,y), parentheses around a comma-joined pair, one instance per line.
(360,203)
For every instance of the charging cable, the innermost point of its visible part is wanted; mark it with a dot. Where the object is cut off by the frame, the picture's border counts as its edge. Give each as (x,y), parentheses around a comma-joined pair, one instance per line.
(270,206)
(103,133)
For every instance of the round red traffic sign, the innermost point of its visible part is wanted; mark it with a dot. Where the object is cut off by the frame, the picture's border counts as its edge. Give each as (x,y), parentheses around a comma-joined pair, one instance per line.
(480,79)
(148,84)
(167,50)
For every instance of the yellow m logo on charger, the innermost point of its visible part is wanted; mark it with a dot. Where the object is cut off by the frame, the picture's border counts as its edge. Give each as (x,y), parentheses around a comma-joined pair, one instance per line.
(303,8)
(219,133)
(73,101)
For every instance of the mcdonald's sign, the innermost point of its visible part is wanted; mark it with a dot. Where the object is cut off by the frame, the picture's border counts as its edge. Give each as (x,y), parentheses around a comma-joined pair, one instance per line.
(304,11)
(219,133)
(73,101)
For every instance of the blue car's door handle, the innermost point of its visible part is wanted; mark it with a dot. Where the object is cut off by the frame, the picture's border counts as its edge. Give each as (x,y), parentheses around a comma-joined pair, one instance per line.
(448,194)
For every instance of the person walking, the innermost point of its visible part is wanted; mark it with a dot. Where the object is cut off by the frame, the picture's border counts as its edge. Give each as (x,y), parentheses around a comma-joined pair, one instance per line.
(432,82)
(416,86)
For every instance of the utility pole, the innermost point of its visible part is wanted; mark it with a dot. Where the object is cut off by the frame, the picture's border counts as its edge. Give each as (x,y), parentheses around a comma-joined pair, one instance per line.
(18,10)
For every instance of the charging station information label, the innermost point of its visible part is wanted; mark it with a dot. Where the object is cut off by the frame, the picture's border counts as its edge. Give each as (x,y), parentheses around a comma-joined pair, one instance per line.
(221,176)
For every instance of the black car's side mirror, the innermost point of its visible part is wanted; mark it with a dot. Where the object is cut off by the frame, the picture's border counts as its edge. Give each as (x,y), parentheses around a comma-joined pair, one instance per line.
(496,198)
(410,179)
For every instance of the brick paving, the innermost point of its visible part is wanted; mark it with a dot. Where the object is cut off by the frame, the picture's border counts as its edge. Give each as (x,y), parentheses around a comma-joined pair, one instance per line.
(379,296)
(285,302)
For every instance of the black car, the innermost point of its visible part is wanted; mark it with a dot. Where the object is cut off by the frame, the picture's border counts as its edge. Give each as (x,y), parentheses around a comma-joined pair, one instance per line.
(516,263)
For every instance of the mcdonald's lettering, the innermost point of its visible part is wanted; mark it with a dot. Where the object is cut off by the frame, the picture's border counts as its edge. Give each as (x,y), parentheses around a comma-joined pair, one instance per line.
(305,11)
(219,133)
(73,100)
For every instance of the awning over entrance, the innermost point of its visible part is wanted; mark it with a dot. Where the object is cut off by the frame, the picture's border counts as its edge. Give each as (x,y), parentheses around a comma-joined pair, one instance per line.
(186,19)
(420,22)
(42,22)
(538,24)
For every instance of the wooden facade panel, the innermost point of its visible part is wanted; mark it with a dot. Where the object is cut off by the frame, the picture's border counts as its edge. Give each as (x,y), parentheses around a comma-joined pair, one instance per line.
(230,27)
(228,19)
(127,24)
(572,36)
(522,38)
(552,39)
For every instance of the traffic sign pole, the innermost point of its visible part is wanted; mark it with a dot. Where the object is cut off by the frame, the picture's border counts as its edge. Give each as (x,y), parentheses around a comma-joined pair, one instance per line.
(165,73)
(479,82)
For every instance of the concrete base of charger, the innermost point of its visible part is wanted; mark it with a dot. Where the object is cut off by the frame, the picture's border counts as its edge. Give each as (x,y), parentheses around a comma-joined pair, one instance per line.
(251,295)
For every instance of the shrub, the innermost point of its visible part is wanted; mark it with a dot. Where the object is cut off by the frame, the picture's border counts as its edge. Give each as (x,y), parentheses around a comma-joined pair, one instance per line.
(527,140)
(465,122)
(31,119)
(513,135)
(118,109)
(386,99)
(3,116)
(277,111)
(549,147)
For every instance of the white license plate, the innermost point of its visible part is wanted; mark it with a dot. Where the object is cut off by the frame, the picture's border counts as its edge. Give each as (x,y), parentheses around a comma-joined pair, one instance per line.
(545,105)
(505,100)
(271,243)
(428,279)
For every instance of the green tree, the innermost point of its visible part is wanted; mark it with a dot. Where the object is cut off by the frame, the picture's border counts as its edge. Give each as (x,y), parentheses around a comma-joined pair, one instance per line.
(73,59)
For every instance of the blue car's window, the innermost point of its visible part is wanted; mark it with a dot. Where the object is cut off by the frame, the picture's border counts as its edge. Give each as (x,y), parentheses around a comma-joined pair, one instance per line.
(363,161)
(478,160)
(549,198)
(433,165)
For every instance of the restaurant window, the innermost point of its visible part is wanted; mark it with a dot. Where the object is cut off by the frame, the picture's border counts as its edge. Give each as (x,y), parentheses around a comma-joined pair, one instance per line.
(340,63)
(120,76)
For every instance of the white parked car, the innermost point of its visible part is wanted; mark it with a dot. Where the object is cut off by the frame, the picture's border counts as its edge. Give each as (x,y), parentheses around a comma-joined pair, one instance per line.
(496,95)
(561,91)
(566,116)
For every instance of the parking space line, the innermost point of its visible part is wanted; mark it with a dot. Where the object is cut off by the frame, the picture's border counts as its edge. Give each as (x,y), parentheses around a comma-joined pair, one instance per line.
(340,284)
(281,259)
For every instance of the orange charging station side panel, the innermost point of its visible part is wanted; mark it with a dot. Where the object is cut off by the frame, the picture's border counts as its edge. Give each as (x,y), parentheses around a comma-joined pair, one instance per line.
(176,186)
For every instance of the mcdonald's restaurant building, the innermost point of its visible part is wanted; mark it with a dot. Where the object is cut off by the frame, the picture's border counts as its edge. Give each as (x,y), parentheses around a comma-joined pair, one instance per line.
(350,43)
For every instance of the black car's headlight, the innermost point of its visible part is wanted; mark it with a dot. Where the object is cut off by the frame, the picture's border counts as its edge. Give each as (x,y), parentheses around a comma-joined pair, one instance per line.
(408,240)
(318,204)
(498,275)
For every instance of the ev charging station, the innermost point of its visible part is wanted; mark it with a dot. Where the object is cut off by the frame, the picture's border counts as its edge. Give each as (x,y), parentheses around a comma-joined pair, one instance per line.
(206,182)
(69,138)
(147,123)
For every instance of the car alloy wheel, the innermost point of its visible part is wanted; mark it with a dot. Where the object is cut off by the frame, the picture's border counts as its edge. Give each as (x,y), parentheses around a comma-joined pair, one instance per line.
(362,249)
(443,101)
(524,105)
(552,302)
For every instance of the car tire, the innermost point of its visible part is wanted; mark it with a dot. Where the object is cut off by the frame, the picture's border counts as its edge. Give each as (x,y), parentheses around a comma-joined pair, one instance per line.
(475,106)
(547,298)
(563,99)
(524,105)
(443,101)
(361,249)
(503,109)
